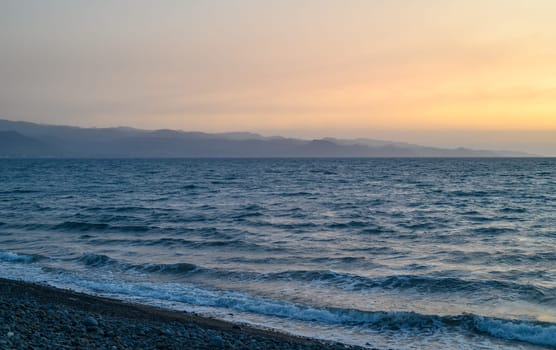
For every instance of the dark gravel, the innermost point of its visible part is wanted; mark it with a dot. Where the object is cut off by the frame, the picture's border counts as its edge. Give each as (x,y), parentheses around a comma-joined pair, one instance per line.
(41,317)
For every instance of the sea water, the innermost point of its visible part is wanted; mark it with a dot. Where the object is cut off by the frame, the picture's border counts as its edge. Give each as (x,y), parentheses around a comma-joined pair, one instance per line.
(392,253)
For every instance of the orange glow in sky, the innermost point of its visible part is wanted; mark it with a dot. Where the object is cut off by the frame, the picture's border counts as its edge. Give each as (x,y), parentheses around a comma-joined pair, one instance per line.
(306,67)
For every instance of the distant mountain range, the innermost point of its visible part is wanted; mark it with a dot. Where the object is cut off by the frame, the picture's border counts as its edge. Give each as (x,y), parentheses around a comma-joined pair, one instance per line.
(23,139)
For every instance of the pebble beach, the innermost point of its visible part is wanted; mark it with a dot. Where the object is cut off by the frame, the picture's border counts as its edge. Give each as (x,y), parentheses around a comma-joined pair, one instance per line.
(34,316)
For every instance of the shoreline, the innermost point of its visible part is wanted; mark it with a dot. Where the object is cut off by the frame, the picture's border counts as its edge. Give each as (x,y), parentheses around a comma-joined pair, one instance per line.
(36,315)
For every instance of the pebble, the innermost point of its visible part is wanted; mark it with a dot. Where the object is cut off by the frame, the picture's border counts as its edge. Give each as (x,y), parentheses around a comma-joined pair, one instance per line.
(90,322)
(217,341)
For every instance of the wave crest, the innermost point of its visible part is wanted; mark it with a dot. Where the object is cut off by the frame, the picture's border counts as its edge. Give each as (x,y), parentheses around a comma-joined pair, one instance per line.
(532,332)
(18,258)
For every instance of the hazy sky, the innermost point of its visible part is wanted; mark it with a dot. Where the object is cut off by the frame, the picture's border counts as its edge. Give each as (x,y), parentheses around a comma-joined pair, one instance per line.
(442,72)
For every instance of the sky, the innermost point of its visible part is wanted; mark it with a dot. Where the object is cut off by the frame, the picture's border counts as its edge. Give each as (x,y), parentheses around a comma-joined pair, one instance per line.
(471,73)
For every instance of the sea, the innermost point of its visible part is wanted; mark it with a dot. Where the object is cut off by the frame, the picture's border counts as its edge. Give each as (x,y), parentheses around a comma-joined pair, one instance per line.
(387,253)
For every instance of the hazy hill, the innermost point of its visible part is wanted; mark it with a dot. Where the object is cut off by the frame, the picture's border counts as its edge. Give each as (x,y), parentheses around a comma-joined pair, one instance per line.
(13,143)
(23,139)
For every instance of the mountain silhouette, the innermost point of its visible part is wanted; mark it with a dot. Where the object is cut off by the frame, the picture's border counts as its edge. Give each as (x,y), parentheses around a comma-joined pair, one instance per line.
(24,139)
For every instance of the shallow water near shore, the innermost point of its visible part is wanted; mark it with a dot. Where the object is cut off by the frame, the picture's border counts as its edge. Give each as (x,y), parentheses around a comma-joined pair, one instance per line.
(396,253)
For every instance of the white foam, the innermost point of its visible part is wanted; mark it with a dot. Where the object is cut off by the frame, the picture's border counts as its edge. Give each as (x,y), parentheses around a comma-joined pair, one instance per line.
(523,331)
(16,258)
(398,324)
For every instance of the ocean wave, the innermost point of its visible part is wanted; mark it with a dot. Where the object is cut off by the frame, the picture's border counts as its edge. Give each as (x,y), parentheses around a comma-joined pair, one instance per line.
(493,230)
(177,268)
(28,226)
(89,226)
(80,226)
(101,260)
(350,282)
(532,332)
(301,225)
(120,209)
(349,224)
(214,243)
(189,187)
(297,194)
(478,194)
(506,258)
(418,226)
(96,260)
(18,258)
(421,284)
(247,211)
(18,191)
(181,242)
(517,259)
(513,210)
(375,230)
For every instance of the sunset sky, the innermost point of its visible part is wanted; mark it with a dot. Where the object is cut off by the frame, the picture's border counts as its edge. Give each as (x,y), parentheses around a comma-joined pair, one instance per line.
(439,72)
